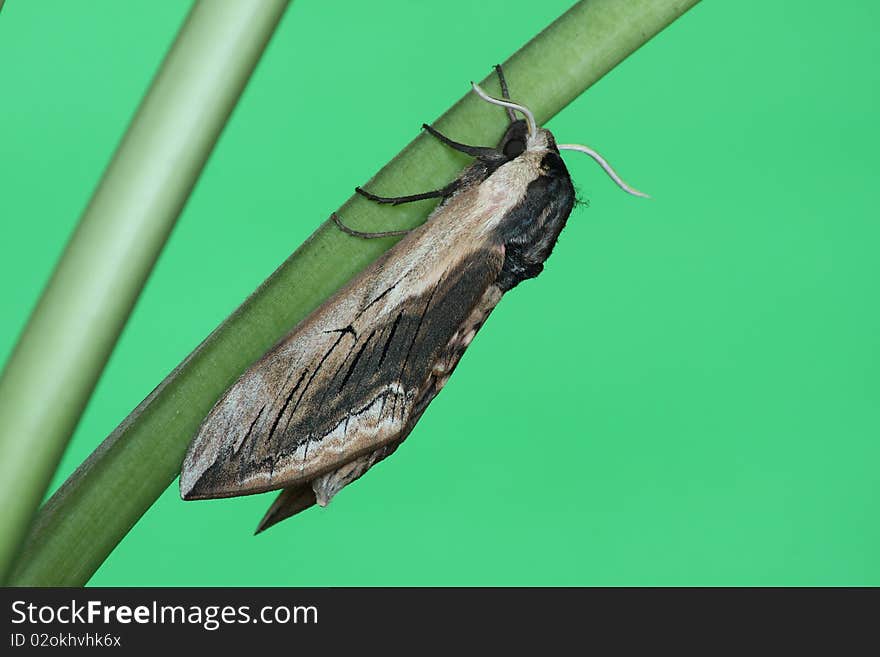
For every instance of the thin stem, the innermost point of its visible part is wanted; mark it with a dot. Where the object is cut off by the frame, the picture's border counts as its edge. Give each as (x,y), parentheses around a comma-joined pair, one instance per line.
(102,500)
(68,339)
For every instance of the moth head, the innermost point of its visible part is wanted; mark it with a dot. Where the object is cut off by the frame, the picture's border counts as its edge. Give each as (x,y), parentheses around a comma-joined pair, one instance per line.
(515,139)
(524,135)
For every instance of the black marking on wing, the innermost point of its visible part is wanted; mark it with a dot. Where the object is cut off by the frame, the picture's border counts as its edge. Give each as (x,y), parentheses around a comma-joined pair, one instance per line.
(421,320)
(339,369)
(250,445)
(342,332)
(281,414)
(251,428)
(390,338)
(328,388)
(415,337)
(285,405)
(393,363)
(355,361)
(378,298)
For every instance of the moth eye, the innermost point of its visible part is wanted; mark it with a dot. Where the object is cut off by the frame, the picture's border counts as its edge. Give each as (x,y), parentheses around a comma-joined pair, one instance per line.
(514,148)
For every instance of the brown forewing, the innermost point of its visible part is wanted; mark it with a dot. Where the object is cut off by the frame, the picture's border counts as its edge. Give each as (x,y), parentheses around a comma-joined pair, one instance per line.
(355,375)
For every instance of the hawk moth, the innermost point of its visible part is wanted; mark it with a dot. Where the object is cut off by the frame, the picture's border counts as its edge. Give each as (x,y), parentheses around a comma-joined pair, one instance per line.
(347,385)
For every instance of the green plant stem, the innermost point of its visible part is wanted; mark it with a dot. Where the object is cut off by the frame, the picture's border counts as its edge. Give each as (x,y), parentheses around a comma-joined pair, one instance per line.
(69,337)
(101,501)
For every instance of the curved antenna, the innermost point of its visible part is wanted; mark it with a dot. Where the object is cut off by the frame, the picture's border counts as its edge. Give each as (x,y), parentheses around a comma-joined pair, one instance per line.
(605,166)
(526,112)
(505,92)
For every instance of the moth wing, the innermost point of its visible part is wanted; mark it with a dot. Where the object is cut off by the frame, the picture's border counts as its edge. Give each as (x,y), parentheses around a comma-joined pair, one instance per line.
(289,502)
(351,378)
(319,491)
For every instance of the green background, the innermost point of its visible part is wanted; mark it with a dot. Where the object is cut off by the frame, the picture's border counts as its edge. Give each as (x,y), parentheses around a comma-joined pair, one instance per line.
(687,395)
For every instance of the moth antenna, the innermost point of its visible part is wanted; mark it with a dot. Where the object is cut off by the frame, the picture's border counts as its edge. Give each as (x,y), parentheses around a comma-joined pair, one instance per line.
(526,112)
(505,92)
(605,166)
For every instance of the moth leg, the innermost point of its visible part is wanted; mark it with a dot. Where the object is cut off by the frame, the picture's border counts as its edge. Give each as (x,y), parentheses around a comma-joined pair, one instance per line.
(362,234)
(505,92)
(443,192)
(482,152)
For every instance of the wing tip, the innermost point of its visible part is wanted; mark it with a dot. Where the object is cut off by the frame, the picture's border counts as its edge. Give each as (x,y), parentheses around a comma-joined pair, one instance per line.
(195,486)
(187,485)
(193,482)
(188,490)
(288,503)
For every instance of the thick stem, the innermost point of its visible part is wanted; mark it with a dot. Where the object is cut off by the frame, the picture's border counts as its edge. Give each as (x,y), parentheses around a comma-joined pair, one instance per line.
(68,339)
(102,500)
